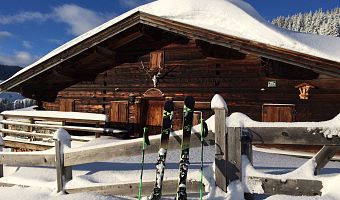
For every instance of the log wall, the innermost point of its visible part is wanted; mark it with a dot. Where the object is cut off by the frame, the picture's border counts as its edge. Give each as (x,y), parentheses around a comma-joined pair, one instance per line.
(199,69)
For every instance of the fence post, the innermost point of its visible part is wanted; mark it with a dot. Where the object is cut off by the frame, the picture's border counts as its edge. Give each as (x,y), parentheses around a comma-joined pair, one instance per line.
(2,144)
(234,151)
(220,108)
(62,139)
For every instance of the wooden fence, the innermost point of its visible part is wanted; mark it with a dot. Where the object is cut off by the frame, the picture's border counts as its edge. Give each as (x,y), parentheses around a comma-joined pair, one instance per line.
(64,161)
(233,142)
(230,143)
(38,127)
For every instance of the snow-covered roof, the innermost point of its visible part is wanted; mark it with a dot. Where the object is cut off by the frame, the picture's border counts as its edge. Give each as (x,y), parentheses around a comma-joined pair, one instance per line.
(230,17)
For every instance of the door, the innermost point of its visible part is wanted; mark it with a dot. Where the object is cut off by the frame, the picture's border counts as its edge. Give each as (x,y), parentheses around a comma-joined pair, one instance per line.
(119,111)
(154,114)
(66,105)
(278,113)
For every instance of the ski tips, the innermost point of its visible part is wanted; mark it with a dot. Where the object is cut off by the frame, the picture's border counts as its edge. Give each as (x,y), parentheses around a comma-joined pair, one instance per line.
(189,102)
(169,106)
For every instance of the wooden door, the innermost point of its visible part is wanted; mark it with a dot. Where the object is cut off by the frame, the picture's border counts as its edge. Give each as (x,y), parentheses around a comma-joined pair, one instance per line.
(66,105)
(278,112)
(154,113)
(119,111)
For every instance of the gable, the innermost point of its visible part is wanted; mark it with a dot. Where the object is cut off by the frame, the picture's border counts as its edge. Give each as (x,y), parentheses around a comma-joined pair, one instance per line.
(101,48)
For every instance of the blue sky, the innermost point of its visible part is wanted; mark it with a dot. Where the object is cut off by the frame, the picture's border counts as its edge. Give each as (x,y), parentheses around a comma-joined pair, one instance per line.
(31,28)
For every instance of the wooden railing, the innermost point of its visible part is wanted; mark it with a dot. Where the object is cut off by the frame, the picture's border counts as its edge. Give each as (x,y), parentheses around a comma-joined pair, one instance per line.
(40,125)
(64,160)
(233,142)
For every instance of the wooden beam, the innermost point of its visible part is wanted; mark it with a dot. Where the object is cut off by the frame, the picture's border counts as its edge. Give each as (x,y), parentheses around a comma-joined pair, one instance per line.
(291,135)
(26,115)
(324,156)
(126,148)
(131,189)
(221,146)
(27,159)
(25,133)
(125,40)
(295,187)
(105,52)
(60,76)
(77,128)
(233,162)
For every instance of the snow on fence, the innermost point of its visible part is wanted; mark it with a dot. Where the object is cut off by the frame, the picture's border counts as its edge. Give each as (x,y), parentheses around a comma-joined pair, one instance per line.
(34,124)
(236,135)
(64,160)
(231,140)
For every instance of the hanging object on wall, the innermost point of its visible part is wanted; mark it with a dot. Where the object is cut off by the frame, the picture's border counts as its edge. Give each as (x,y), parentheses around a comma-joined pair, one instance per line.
(304,90)
(157,69)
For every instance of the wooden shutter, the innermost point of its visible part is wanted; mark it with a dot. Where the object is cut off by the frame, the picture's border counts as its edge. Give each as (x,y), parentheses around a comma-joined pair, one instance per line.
(278,112)
(154,113)
(156,60)
(66,105)
(119,111)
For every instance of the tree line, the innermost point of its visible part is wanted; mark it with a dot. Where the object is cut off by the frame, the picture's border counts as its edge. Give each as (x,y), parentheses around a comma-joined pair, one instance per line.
(319,22)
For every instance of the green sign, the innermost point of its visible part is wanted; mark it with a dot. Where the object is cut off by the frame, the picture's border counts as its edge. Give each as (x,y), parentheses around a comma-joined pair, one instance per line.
(271,84)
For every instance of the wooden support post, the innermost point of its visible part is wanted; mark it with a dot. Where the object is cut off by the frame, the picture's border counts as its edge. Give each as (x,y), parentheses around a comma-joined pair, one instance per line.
(97,133)
(221,149)
(324,156)
(2,144)
(234,160)
(221,156)
(31,128)
(64,174)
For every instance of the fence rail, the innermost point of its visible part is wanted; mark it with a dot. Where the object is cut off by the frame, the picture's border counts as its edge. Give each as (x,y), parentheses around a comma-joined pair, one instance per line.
(230,144)
(233,142)
(38,125)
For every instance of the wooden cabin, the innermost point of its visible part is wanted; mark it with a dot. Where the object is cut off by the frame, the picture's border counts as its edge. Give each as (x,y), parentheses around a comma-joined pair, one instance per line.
(130,68)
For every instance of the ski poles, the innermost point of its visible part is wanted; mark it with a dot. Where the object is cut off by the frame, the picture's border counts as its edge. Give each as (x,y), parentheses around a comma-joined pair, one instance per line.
(145,142)
(204,133)
(202,139)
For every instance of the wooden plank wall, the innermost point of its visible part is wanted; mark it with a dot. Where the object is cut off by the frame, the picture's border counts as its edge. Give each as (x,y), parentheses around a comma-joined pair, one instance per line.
(201,71)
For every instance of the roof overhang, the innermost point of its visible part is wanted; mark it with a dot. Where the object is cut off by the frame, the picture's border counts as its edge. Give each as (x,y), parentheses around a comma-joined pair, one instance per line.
(319,65)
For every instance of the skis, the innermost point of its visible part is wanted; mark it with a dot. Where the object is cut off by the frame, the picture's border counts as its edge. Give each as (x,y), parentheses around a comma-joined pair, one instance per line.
(166,129)
(188,112)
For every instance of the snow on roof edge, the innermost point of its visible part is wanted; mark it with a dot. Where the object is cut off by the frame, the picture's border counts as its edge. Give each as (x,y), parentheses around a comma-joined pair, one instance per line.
(150,9)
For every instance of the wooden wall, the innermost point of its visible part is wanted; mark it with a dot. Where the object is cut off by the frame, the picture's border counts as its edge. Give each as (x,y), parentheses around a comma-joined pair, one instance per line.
(199,69)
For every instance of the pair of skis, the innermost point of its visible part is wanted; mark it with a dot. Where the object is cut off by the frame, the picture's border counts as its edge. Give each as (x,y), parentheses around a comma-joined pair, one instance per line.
(188,110)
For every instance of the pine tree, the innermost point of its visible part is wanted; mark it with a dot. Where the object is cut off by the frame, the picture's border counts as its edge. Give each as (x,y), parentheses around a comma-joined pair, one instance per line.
(319,22)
